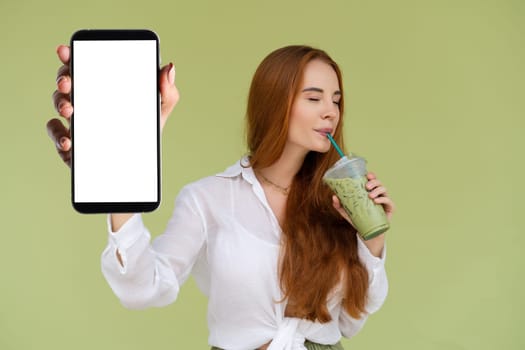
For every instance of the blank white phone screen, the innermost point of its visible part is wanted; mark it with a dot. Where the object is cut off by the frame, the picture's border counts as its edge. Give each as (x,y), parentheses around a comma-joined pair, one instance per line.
(115,121)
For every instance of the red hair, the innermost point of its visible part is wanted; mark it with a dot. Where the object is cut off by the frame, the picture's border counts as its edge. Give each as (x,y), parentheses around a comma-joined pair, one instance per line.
(319,247)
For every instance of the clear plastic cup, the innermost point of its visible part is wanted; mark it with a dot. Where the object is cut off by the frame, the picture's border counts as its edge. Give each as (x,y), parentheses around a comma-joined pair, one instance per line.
(347,178)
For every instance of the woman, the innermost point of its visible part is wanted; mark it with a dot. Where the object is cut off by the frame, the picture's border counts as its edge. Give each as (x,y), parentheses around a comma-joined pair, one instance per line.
(266,240)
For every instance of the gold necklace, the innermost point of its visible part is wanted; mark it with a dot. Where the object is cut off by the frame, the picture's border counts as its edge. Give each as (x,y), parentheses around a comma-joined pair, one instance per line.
(283,190)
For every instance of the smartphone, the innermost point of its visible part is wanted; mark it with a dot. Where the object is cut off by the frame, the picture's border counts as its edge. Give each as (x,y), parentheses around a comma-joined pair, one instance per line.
(115,126)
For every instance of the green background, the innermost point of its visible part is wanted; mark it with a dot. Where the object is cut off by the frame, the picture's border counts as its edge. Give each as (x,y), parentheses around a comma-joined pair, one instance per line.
(434,101)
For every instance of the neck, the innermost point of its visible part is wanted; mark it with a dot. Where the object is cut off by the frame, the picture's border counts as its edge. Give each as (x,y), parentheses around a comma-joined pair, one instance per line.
(284,169)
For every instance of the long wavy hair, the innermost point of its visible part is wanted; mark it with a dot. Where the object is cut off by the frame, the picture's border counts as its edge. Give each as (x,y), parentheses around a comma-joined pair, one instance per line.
(319,247)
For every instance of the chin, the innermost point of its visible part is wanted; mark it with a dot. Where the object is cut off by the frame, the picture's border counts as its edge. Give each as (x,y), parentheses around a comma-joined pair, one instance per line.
(321,149)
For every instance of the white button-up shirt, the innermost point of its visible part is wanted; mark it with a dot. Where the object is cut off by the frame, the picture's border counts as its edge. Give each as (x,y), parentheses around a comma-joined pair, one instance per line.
(223,232)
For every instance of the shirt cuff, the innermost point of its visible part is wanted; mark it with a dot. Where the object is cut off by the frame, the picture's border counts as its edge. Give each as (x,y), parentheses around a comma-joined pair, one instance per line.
(371,262)
(125,238)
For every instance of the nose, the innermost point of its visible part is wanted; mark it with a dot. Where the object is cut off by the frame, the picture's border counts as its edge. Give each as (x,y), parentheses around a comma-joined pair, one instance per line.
(331,111)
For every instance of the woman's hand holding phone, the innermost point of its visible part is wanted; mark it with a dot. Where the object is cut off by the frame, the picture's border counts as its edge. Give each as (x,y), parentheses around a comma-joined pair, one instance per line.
(60,134)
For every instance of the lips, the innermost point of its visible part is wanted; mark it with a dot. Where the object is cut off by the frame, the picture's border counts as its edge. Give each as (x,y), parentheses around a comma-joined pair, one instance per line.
(325,131)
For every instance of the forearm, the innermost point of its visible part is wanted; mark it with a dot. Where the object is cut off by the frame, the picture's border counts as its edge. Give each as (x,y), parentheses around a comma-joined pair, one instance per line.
(144,273)
(117,221)
(137,274)
(375,265)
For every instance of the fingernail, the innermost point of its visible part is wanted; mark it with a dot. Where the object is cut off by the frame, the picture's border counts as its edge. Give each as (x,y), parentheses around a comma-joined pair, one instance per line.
(62,106)
(171,73)
(60,143)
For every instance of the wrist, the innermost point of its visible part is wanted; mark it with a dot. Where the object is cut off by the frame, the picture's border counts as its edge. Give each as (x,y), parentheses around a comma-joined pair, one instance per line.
(375,245)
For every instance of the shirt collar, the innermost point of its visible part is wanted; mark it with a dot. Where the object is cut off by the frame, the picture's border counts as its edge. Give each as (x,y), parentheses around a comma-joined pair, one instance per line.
(243,168)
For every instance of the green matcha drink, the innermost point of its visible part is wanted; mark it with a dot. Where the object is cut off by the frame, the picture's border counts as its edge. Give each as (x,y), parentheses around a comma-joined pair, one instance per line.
(347,178)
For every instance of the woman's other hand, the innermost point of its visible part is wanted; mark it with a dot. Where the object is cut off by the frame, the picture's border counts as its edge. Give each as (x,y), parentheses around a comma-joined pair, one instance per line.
(376,191)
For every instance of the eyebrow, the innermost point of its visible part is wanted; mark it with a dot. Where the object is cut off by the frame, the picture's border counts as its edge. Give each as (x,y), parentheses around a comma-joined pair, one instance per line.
(315,89)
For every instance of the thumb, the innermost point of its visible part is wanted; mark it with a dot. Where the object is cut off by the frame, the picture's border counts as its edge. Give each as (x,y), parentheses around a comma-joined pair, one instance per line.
(337,205)
(169,95)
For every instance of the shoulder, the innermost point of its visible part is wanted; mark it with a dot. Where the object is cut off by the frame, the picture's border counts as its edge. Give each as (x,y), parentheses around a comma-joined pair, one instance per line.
(214,186)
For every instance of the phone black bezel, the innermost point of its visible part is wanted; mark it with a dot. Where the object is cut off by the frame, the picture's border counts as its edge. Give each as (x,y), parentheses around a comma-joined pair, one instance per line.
(115,207)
